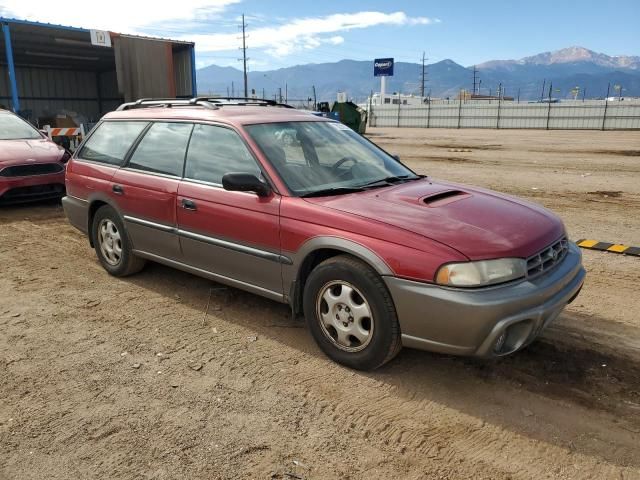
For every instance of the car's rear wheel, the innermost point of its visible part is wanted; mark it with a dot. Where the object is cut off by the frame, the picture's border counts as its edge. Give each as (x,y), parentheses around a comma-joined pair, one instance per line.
(112,244)
(351,314)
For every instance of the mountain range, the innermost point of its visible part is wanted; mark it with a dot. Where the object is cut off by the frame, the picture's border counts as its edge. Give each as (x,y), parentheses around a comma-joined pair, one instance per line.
(564,69)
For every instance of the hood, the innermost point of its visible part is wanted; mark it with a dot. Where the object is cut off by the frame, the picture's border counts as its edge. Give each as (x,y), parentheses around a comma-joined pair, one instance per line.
(479,223)
(18,152)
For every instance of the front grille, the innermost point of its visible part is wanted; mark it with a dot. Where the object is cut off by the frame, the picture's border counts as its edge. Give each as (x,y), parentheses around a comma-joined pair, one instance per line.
(34,192)
(32,169)
(548,258)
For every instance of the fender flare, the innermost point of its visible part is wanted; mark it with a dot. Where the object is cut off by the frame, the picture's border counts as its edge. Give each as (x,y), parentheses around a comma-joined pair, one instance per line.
(347,246)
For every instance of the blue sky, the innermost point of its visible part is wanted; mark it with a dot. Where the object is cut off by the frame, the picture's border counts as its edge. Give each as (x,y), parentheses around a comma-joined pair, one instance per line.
(287,32)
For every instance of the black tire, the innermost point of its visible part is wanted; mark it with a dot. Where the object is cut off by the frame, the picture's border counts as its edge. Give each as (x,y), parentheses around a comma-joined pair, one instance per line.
(385,342)
(128,263)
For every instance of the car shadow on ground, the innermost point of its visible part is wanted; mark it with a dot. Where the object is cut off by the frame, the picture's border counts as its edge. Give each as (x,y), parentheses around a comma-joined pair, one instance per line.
(511,392)
(38,210)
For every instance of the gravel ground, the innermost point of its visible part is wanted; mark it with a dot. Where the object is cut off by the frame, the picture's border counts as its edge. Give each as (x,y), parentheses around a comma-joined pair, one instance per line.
(136,378)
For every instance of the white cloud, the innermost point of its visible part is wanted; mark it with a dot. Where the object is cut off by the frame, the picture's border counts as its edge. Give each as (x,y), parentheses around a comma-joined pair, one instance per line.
(175,20)
(304,33)
(122,16)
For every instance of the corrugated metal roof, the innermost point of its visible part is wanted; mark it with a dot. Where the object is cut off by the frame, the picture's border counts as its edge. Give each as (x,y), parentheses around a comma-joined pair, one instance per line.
(79,29)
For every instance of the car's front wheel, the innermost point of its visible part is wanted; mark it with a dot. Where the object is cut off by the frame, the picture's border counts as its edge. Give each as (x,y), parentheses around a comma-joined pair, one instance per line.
(351,314)
(112,244)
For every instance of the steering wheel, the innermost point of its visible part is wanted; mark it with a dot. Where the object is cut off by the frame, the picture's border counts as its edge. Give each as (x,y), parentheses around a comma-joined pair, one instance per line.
(336,166)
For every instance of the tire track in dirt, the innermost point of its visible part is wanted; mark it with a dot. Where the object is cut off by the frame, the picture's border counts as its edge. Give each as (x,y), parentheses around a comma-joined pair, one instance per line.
(423,413)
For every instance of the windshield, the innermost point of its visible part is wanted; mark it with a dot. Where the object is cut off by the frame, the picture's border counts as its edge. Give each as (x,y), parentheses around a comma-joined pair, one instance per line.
(14,128)
(326,157)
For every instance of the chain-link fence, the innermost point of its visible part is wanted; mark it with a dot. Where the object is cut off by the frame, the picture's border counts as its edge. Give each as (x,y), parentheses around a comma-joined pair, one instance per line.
(589,115)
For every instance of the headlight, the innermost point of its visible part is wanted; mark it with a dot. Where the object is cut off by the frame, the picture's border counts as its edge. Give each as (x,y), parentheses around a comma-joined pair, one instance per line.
(479,274)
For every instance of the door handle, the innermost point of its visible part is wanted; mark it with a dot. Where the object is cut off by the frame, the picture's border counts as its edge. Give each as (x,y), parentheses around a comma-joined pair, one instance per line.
(188,204)
(117,189)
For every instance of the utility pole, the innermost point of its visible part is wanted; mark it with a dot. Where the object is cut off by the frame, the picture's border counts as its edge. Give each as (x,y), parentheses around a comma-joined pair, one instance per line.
(280,94)
(606,104)
(423,78)
(244,56)
(475,80)
(233,89)
(315,100)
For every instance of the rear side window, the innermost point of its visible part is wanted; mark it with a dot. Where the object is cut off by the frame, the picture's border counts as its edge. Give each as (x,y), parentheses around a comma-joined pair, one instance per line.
(162,149)
(216,151)
(111,141)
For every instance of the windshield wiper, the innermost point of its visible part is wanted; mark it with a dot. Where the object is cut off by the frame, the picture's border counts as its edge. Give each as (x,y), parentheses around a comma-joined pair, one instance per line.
(332,191)
(388,181)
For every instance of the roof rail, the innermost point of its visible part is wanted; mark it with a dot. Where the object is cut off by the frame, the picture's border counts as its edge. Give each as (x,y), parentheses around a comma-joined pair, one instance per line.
(211,103)
(242,101)
(165,102)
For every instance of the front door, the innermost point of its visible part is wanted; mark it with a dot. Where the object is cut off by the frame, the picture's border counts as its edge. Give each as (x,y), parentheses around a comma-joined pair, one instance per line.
(234,235)
(146,189)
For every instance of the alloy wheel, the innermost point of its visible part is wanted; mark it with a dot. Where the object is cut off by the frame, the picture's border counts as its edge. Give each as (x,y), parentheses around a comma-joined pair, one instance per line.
(345,316)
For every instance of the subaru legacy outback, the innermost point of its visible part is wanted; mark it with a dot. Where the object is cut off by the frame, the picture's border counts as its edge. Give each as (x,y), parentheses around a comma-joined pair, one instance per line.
(304,211)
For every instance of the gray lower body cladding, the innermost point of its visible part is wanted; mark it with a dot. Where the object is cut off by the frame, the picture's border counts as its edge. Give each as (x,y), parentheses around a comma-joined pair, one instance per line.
(77,212)
(484,322)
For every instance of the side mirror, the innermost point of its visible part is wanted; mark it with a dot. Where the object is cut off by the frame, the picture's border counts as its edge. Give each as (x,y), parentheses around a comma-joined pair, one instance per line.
(397,157)
(44,133)
(245,182)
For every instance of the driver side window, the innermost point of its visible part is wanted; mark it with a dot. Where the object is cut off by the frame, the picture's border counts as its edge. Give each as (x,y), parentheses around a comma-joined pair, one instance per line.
(215,151)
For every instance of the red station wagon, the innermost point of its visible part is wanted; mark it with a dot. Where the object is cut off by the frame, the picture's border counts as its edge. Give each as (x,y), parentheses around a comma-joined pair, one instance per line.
(375,256)
(31,165)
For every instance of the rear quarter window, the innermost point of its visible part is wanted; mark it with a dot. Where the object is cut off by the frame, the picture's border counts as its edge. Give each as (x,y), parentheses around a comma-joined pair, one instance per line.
(111,142)
(162,149)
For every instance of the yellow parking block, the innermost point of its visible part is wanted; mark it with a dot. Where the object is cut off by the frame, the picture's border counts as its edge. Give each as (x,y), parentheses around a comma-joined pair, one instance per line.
(587,243)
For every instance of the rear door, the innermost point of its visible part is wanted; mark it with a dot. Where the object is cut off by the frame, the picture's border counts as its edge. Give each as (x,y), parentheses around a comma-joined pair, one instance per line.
(233,234)
(89,174)
(147,186)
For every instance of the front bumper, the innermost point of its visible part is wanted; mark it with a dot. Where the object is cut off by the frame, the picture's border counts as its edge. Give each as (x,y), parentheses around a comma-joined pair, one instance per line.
(36,187)
(473,321)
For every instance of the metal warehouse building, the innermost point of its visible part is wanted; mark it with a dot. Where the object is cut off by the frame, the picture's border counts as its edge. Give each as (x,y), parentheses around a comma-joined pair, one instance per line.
(47,69)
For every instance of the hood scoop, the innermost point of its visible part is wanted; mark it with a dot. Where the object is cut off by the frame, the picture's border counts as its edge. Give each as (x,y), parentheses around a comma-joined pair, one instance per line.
(444,198)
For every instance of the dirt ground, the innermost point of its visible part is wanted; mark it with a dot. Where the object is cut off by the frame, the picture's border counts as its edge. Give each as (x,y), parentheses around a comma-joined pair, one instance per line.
(128,378)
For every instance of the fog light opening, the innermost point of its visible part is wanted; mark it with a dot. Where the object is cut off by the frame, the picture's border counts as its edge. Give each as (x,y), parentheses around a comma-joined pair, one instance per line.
(513,337)
(499,344)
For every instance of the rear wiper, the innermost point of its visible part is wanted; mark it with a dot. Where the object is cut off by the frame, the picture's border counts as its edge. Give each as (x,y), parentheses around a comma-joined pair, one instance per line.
(387,181)
(332,191)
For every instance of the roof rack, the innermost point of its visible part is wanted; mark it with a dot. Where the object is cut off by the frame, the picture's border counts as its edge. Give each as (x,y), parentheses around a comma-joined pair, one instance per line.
(166,103)
(211,103)
(242,101)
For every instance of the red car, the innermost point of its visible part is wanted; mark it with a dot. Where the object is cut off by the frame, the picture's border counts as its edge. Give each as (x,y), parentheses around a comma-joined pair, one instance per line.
(31,165)
(374,255)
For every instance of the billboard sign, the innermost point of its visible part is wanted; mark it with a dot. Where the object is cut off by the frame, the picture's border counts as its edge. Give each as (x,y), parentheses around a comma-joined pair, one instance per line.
(383,67)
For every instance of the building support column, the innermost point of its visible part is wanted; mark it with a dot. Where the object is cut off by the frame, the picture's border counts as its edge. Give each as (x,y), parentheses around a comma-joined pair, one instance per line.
(15,100)
(194,83)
